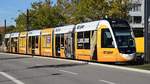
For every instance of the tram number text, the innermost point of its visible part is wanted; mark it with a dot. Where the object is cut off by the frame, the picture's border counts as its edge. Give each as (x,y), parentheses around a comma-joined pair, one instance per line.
(108,52)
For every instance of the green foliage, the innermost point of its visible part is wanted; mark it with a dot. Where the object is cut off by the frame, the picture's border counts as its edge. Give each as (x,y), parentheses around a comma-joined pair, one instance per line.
(119,8)
(11,28)
(88,10)
(21,22)
(43,14)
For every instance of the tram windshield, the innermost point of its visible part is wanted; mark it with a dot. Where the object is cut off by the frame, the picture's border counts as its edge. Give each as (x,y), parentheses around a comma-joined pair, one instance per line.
(124,39)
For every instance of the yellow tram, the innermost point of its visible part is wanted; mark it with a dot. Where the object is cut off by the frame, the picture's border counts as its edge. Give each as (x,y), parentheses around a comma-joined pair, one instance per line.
(106,40)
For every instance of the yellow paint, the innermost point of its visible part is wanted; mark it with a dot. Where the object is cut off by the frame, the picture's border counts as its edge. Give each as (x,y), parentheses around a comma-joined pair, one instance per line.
(139,41)
(46,50)
(22,42)
(54,50)
(107,54)
(83,54)
(62,54)
(102,26)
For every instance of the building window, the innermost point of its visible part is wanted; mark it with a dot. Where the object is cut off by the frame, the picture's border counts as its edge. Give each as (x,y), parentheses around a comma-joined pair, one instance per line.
(137,19)
(136,7)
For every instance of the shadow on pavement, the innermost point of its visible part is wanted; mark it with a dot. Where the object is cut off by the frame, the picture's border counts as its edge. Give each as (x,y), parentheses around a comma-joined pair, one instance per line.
(58,66)
(8,58)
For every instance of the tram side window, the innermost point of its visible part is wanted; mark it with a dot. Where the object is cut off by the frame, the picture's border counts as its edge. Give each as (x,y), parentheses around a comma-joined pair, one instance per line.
(62,40)
(47,41)
(107,41)
(36,41)
(12,42)
(87,40)
(80,40)
(30,42)
(7,42)
(83,40)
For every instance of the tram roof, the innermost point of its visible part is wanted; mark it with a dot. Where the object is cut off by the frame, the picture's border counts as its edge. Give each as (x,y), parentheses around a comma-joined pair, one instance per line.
(23,34)
(34,33)
(64,29)
(88,26)
(46,31)
(7,35)
(16,34)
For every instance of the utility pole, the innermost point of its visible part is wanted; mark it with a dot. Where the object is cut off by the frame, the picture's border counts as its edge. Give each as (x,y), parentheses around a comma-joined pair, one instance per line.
(147,32)
(5,26)
(27,28)
(27,23)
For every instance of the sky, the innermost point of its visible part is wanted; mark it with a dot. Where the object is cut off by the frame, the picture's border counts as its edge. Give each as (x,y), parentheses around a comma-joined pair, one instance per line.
(9,9)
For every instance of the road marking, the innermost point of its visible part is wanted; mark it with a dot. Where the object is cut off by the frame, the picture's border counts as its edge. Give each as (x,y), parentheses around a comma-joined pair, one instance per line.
(108,82)
(11,78)
(69,72)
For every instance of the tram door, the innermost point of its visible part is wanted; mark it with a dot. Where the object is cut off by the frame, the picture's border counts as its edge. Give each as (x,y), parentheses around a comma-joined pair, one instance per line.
(14,45)
(57,45)
(7,44)
(33,44)
(69,46)
(106,49)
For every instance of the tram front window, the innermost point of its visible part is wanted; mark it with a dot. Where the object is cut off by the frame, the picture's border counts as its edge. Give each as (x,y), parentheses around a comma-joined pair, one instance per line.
(123,36)
(125,41)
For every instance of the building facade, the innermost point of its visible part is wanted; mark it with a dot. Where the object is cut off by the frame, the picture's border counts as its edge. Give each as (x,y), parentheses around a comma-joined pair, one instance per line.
(137,14)
(136,19)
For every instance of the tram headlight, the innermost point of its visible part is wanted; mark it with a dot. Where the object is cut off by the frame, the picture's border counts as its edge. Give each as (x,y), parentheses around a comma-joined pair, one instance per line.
(129,56)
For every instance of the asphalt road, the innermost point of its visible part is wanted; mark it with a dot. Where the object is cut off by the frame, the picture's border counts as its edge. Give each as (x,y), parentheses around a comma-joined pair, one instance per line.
(21,69)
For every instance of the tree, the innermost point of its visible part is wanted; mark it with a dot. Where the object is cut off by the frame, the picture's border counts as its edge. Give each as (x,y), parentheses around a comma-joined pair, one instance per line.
(91,10)
(21,22)
(11,28)
(43,14)
(119,8)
